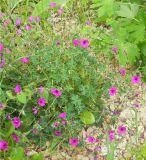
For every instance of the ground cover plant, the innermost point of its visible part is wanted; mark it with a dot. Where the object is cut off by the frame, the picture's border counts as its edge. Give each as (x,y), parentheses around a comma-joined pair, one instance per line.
(72,80)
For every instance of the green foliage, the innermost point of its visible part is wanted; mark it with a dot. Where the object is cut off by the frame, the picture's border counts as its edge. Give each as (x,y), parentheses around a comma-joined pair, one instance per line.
(87,117)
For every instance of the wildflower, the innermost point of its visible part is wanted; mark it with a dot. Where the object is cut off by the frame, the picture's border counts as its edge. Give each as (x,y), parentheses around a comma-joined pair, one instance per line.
(60,11)
(2,63)
(123,71)
(19,32)
(62,115)
(37,19)
(16,122)
(88,23)
(90,139)
(35,111)
(25,60)
(35,131)
(42,102)
(8,51)
(18,89)
(52,4)
(41,89)
(75,42)
(112,91)
(122,130)
(2,106)
(56,124)
(74,141)
(115,50)
(57,133)
(1,46)
(84,43)
(135,79)
(18,22)
(56,92)
(28,27)
(15,138)
(3,145)
(31,18)
(6,22)
(111,134)
(8,117)
(63,122)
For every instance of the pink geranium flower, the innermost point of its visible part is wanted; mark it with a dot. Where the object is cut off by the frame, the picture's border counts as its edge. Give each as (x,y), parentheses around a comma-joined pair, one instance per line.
(57,133)
(112,91)
(74,141)
(15,138)
(115,50)
(3,145)
(37,19)
(56,92)
(25,60)
(60,11)
(18,22)
(41,89)
(52,4)
(31,18)
(90,139)
(42,102)
(18,89)
(76,42)
(16,122)
(63,122)
(135,79)
(1,46)
(56,124)
(35,111)
(111,134)
(28,27)
(62,115)
(84,43)
(19,32)
(123,71)
(122,130)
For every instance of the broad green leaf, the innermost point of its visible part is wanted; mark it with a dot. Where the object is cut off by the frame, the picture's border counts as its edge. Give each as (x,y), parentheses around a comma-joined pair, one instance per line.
(22,97)
(87,117)
(10,95)
(17,153)
(38,156)
(128,10)
(43,5)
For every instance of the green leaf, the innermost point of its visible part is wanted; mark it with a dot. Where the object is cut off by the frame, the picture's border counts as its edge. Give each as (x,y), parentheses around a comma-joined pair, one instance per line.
(17,154)
(21,98)
(43,5)
(11,130)
(38,156)
(10,95)
(87,117)
(128,10)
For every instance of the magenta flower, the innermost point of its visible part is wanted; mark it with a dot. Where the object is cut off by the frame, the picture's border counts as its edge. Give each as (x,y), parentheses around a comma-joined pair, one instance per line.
(3,145)
(56,124)
(90,139)
(1,46)
(42,102)
(62,115)
(135,79)
(28,27)
(52,4)
(74,141)
(57,133)
(6,22)
(60,11)
(115,50)
(56,92)
(63,122)
(18,22)
(41,89)
(15,138)
(76,42)
(122,130)
(35,111)
(16,122)
(123,71)
(18,89)
(84,43)
(112,91)
(2,63)
(8,51)
(111,134)
(25,60)
(31,18)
